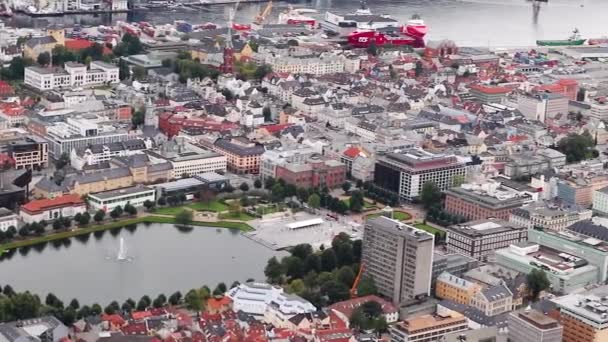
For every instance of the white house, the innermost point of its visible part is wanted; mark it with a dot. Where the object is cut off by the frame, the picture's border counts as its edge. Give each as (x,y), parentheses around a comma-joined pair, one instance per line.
(51,209)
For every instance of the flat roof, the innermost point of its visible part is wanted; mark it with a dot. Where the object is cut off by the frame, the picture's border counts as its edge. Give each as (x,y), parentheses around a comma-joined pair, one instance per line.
(305,223)
(121,192)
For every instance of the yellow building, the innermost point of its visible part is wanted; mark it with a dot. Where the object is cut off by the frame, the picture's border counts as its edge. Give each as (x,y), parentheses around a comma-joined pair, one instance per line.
(35,46)
(456,289)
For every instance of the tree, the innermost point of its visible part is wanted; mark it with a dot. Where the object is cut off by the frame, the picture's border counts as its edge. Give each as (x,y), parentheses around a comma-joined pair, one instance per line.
(57,224)
(345,275)
(138,118)
(257,183)
(261,71)
(329,260)
(52,300)
(356,202)
(314,201)
(116,212)
(273,270)
(159,301)
(139,72)
(234,208)
(84,219)
(24,231)
(419,69)
(367,286)
(16,68)
(193,300)
(84,311)
(62,161)
(175,298)
(296,287)
(124,71)
(74,304)
(267,114)
(302,250)
(184,217)
(162,200)
(430,195)
(148,205)
(294,267)
(68,317)
(269,183)
(130,209)
(313,263)
(335,291)
(244,187)
(95,309)
(346,186)
(44,59)
(10,232)
(292,42)
(537,282)
(577,147)
(99,216)
(127,306)
(277,193)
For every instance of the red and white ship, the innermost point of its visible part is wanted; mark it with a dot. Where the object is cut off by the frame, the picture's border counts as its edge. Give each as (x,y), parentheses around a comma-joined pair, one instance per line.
(295,16)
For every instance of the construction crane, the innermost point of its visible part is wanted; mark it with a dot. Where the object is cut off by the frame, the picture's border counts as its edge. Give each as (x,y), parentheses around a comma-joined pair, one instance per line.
(353,289)
(260,18)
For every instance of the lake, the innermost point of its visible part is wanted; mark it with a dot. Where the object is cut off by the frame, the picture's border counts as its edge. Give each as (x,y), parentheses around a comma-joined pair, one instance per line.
(164,260)
(468,22)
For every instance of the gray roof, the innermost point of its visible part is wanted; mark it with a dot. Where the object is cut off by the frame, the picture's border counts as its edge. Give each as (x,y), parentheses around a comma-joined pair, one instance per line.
(121,192)
(476,315)
(227,145)
(33,42)
(14,331)
(398,228)
(498,292)
(91,177)
(588,228)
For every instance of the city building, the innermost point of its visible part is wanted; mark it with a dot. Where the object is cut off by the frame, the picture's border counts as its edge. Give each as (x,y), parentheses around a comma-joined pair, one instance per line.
(315,65)
(487,334)
(529,325)
(531,163)
(26,152)
(315,172)
(194,185)
(256,298)
(427,328)
(542,106)
(72,75)
(600,201)
(493,300)
(580,190)
(55,36)
(242,155)
(453,263)
(593,250)
(546,216)
(99,153)
(405,173)
(271,159)
(108,200)
(488,94)
(451,287)
(493,199)
(399,257)
(481,238)
(566,271)
(46,328)
(51,209)
(584,316)
(7,219)
(344,310)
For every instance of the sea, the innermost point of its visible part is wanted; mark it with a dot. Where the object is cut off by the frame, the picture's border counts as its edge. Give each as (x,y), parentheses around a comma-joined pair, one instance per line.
(479,23)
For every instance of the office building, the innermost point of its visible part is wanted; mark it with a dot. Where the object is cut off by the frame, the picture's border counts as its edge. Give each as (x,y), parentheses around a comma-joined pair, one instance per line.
(479,239)
(580,189)
(543,106)
(27,152)
(453,263)
(491,199)
(427,328)
(405,173)
(458,290)
(242,155)
(71,76)
(584,316)
(108,200)
(530,325)
(399,257)
(315,172)
(552,217)
(271,159)
(488,94)
(565,271)
(600,201)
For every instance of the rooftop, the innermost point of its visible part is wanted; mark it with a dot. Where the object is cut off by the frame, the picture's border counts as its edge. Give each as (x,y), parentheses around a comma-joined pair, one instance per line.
(536,318)
(428,322)
(591,305)
(36,206)
(483,227)
(393,226)
(121,192)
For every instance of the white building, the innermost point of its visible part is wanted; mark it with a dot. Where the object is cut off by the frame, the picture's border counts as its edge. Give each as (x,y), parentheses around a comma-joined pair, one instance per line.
(7,219)
(257,298)
(108,200)
(543,106)
(600,201)
(195,163)
(73,75)
(270,159)
(51,209)
(335,115)
(95,154)
(321,65)
(540,215)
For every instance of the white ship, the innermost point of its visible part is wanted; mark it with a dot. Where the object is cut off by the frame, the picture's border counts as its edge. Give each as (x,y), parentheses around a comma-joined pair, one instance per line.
(295,16)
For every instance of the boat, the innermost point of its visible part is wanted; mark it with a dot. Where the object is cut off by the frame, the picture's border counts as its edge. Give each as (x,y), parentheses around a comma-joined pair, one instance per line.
(295,16)
(363,39)
(597,41)
(574,39)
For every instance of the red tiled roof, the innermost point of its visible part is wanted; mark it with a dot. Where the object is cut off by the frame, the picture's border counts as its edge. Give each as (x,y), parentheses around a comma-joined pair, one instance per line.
(81,44)
(216,304)
(490,90)
(348,306)
(137,315)
(57,202)
(275,128)
(352,152)
(114,319)
(135,329)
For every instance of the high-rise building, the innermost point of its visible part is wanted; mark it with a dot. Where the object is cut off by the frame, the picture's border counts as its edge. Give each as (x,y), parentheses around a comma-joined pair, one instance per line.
(405,173)
(399,257)
(533,326)
(584,315)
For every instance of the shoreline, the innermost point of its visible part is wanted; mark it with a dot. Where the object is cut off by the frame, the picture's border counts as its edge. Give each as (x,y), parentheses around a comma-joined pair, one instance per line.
(91,228)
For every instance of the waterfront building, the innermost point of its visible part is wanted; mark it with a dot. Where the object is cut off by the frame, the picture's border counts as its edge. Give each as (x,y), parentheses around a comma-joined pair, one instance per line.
(427,327)
(584,316)
(406,173)
(399,257)
(7,219)
(46,328)
(479,239)
(257,298)
(491,199)
(451,287)
(529,325)
(108,200)
(72,75)
(51,209)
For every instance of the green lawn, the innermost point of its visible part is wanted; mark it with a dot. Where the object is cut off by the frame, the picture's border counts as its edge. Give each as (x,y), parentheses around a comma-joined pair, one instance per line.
(265,210)
(240,217)
(366,204)
(397,215)
(112,225)
(429,229)
(215,206)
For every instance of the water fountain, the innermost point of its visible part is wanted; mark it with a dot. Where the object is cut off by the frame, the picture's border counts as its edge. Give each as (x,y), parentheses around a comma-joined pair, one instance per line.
(122,251)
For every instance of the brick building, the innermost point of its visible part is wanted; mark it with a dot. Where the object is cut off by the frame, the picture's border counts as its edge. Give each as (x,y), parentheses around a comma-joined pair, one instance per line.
(242,155)
(314,173)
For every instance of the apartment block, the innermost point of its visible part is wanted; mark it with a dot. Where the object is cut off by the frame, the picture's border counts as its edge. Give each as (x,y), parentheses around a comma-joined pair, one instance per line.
(313,173)
(427,328)
(399,257)
(26,152)
(451,287)
(242,155)
(530,325)
(584,316)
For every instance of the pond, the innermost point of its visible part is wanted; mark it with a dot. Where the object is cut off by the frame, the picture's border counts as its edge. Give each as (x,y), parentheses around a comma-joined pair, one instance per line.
(155,258)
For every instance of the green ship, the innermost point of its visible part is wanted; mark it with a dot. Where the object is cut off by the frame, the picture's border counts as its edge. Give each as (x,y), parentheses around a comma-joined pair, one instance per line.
(574,39)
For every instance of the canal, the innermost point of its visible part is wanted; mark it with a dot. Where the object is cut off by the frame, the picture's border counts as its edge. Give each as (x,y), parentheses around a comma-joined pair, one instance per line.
(160,259)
